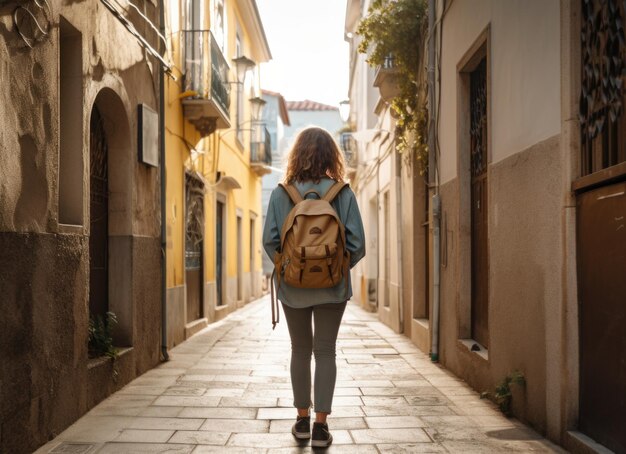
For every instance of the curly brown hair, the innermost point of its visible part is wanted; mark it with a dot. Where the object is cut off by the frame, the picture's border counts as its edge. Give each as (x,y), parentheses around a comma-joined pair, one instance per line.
(314,155)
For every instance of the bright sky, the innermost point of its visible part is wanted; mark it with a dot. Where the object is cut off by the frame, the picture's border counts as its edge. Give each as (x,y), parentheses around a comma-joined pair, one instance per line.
(310,57)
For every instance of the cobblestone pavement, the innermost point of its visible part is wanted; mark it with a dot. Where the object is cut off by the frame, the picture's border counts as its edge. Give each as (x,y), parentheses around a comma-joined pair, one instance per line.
(227,390)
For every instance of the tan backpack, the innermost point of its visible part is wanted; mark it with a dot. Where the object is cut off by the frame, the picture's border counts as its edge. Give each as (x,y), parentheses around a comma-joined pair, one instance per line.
(313,250)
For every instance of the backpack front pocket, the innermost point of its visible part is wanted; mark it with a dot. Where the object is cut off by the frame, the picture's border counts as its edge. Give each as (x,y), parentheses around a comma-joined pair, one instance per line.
(314,266)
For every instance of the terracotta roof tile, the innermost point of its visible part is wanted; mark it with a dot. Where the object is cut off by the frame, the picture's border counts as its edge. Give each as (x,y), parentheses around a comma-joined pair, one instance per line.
(308,105)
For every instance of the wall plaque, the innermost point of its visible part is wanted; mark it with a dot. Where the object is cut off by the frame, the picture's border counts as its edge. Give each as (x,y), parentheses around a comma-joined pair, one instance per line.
(148,139)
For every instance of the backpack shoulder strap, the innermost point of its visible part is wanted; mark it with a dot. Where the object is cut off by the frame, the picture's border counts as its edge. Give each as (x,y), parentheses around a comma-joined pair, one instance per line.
(334,190)
(293,193)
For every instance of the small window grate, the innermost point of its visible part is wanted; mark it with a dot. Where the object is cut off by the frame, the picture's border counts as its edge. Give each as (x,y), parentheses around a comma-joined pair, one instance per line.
(478,119)
(602,97)
(98,159)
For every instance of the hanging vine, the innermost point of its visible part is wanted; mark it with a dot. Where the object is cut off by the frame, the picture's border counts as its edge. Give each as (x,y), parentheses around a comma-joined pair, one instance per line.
(395,31)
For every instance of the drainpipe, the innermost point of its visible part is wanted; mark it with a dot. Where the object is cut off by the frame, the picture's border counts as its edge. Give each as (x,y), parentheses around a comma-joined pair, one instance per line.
(399,243)
(434,351)
(435,201)
(163,205)
(377,233)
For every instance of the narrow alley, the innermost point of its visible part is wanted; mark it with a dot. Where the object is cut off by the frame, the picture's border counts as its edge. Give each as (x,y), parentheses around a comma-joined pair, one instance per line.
(227,389)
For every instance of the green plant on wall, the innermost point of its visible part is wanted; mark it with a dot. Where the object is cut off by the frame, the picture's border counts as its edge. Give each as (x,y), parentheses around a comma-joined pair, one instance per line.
(396,29)
(100,336)
(502,395)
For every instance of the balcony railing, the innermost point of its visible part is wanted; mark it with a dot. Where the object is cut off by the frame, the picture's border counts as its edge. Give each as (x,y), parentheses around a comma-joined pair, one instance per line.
(349,147)
(261,150)
(386,79)
(205,82)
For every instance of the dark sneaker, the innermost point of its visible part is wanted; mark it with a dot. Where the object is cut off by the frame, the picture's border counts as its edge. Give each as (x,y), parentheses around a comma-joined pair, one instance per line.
(302,428)
(321,436)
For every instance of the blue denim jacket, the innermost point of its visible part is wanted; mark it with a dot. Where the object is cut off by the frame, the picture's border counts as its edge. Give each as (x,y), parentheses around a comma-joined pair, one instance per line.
(346,206)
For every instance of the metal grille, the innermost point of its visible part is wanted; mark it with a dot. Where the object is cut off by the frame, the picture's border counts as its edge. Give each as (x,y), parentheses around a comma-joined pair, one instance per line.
(194,222)
(261,147)
(98,159)
(602,97)
(478,118)
(99,216)
(206,69)
(349,147)
(479,210)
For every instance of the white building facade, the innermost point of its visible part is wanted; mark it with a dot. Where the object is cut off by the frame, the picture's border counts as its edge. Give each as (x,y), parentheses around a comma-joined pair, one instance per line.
(530,171)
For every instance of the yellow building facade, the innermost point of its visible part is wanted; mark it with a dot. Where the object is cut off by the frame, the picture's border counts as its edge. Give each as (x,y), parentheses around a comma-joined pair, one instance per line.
(216,153)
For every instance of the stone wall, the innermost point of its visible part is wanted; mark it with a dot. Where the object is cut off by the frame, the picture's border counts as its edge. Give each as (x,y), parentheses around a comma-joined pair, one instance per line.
(47,380)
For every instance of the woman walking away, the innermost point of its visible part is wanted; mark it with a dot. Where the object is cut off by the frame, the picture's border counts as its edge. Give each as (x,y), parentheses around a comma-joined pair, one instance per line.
(313,247)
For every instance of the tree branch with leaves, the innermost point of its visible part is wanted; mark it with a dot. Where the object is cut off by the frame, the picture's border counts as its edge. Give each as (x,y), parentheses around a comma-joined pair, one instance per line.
(396,30)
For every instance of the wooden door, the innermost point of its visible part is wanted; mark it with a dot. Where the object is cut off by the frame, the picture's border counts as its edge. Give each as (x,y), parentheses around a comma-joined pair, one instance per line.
(601,224)
(99,217)
(252,258)
(479,204)
(219,252)
(601,219)
(194,235)
(239,258)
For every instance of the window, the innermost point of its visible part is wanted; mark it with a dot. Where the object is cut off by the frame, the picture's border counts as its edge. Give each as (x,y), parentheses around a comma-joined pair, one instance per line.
(603,96)
(219,24)
(71,114)
(195,17)
(240,90)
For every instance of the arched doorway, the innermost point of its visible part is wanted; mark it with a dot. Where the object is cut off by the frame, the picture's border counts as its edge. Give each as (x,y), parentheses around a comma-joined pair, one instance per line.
(110,209)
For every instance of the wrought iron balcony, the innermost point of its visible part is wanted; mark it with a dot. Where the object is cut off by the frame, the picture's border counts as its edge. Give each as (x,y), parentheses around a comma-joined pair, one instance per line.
(261,150)
(350,152)
(207,103)
(386,79)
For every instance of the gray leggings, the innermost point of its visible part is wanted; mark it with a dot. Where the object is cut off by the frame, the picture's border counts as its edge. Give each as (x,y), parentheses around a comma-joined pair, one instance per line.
(327,318)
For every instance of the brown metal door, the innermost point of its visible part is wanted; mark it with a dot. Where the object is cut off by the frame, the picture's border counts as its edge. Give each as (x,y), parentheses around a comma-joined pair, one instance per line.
(99,217)
(601,224)
(193,246)
(479,212)
(601,219)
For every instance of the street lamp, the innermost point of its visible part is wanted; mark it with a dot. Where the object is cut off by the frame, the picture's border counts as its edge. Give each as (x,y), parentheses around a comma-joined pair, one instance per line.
(256,105)
(242,65)
(344,110)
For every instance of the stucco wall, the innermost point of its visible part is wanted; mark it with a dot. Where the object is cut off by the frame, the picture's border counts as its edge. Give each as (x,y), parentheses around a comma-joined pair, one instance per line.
(220,152)
(44,265)
(44,287)
(524,281)
(525,73)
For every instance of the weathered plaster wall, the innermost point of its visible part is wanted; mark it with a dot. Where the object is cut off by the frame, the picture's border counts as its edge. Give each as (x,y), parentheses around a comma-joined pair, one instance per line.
(27,129)
(524,280)
(43,283)
(147,302)
(44,270)
(175,315)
